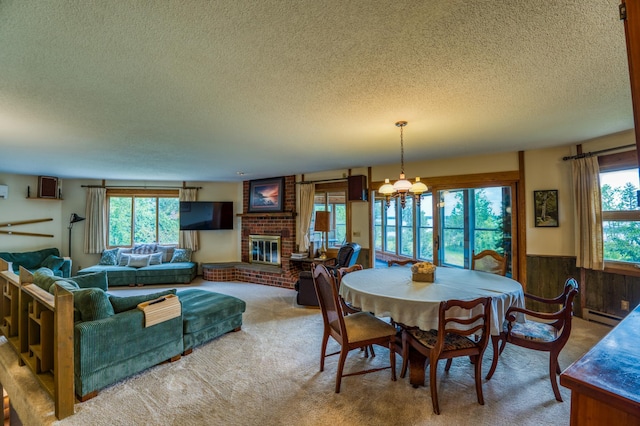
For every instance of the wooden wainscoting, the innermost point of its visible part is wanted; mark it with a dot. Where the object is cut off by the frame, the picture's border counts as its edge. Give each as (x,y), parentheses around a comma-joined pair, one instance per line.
(599,291)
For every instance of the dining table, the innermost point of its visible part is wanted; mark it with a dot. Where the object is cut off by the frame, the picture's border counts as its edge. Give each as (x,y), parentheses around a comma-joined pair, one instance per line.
(392,292)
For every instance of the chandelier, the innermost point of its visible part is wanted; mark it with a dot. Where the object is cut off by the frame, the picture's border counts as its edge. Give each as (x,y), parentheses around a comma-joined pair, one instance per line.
(402,188)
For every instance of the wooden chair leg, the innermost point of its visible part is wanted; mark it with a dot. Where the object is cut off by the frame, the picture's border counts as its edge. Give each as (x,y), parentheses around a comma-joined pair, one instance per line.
(447,366)
(325,340)
(478,377)
(495,340)
(392,357)
(343,357)
(433,370)
(553,366)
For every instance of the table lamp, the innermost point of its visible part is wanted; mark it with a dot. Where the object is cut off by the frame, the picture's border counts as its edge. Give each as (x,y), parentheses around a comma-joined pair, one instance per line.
(322,225)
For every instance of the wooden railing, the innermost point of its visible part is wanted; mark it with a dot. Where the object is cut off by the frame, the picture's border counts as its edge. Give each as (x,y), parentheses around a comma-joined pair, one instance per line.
(39,326)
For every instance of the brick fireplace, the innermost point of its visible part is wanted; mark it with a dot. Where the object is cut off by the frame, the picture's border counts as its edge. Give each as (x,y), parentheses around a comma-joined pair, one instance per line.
(280,224)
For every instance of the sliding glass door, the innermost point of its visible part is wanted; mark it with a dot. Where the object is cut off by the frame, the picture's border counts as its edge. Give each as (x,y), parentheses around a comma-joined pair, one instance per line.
(472,220)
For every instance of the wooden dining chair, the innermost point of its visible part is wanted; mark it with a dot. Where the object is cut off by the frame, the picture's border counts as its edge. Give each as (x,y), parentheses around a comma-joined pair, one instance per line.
(347,307)
(353,331)
(401,262)
(489,261)
(458,322)
(550,335)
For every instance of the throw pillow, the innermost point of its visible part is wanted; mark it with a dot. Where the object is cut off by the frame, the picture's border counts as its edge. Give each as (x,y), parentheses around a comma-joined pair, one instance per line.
(123,259)
(67,285)
(52,262)
(121,304)
(181,255)
(44,277)
(109,257)
(156,258)
(167,252)
(140,248)
(94,280)
(138,260)
(92,303)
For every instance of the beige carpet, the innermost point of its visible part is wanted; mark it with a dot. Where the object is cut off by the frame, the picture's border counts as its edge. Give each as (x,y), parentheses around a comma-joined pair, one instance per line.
(267,374)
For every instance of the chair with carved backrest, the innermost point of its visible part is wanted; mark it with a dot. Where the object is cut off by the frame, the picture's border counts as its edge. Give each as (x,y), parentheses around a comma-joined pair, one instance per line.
(401,262)
(352,331)
(458,323)
(348,308)
(549,335)
(489,261)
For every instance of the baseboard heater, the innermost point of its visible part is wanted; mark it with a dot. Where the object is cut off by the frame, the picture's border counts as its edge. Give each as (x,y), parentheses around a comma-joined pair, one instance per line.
(601,317)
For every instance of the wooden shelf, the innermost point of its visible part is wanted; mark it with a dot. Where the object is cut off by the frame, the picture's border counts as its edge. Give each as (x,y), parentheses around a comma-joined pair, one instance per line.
(44,198)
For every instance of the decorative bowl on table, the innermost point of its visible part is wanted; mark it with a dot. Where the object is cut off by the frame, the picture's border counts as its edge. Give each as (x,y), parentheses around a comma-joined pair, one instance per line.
(424,272)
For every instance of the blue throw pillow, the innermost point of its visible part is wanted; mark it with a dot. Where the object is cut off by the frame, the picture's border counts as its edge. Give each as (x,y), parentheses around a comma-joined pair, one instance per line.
(121,304)
(52,262)
(109,257)
(181,255)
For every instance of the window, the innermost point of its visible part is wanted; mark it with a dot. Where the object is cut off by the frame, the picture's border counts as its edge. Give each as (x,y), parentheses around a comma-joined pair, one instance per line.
(334,202)
(142,217)
(620,215)
(397,225)
(449,224)
(474,219)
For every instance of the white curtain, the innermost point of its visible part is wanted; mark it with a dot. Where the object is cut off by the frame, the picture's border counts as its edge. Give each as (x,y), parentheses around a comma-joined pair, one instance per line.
(189,239)
(307,191)
(588,210)
(95,235)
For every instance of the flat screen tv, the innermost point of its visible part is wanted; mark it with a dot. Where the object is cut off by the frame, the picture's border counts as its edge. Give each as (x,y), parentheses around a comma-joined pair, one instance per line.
(206,215)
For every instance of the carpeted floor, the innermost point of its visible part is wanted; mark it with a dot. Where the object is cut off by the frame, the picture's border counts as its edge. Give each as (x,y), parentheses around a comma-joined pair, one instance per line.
(268,374)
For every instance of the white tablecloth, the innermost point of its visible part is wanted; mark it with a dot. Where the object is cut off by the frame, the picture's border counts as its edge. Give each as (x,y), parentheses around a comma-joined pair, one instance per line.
(391,292)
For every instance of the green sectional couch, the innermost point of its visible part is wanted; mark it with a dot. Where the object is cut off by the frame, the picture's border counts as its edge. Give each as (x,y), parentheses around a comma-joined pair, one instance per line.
(146,264)
(110,339)
(32,260)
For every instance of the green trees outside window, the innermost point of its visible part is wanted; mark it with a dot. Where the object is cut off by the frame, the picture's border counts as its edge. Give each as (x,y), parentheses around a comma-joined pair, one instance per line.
(621,216)
(143,219)
(471,219)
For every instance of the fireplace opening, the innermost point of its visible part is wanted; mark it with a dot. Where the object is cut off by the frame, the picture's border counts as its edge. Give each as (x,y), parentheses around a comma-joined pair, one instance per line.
(264,249)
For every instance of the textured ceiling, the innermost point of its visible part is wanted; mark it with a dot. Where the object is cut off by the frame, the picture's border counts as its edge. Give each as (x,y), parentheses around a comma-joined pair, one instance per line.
(199,90)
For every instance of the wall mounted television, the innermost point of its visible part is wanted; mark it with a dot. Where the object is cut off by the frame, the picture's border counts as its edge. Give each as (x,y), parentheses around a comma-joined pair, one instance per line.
(206,215)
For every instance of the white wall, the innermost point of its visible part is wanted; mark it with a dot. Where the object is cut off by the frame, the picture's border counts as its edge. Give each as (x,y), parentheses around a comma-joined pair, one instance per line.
(18,208)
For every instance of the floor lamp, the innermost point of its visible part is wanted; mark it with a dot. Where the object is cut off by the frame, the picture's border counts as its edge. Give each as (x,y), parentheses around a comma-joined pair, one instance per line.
(322,225)
(73,219)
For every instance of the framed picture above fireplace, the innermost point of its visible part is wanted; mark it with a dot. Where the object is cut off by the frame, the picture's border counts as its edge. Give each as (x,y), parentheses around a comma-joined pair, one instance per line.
(266,195)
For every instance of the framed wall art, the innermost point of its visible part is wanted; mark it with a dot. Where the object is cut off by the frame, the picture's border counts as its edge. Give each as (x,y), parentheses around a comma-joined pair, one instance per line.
(266,195)
(546,208)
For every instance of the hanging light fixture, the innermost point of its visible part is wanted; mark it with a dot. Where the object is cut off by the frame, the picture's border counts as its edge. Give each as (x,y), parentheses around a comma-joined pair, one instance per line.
(402,187)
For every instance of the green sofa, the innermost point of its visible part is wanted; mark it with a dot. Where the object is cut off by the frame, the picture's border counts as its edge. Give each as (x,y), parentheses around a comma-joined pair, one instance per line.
(111,341)
(32,260)
(165,268)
